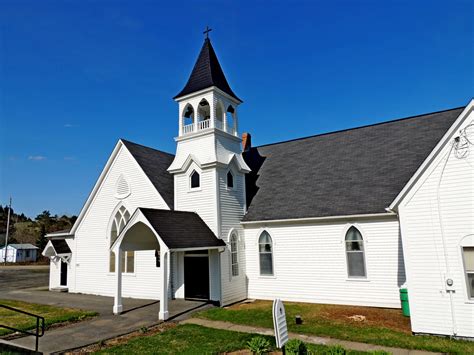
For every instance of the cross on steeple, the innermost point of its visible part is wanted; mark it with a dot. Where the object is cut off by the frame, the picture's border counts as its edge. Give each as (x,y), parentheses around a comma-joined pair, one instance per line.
(206,32)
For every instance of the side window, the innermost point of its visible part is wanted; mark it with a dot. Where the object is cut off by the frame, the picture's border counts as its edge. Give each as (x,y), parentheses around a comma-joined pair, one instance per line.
(468,259)
(234,251)
(195,180)
(265,251)
(355,254)
(230,180)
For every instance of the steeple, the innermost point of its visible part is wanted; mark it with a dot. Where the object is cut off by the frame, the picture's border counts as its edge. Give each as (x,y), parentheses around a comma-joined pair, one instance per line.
(207,72)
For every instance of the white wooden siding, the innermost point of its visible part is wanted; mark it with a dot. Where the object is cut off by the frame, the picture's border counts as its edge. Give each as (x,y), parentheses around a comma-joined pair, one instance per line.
(426,258)
(310,264)
(232,207)
(202,200)
(91,250)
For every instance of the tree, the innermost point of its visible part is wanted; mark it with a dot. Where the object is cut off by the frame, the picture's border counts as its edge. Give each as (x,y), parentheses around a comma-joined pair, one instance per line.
(44,222)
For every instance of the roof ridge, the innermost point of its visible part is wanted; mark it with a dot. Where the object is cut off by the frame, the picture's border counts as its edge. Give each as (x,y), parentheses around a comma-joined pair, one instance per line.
(359,127)
(144,146)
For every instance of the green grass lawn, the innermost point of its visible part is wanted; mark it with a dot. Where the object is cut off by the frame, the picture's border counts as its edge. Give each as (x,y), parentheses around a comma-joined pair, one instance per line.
(383,326)
(194,339)
(51,314)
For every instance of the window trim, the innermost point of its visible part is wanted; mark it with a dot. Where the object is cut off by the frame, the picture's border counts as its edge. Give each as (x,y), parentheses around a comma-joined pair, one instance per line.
(364,252)
(198,188)
(234,235)
(273,274)
(227,180)
(466,242)
(109,238)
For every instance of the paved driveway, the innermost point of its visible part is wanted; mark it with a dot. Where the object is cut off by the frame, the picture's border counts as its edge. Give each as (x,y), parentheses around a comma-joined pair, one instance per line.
(21,277)
(30,285)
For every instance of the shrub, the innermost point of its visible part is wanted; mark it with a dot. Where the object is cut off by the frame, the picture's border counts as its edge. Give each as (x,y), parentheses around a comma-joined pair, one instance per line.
(259,345)
(143,330)
(296,347)
(335,350)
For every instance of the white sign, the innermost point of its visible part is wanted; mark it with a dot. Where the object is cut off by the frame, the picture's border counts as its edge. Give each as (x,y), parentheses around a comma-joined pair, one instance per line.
(279,323)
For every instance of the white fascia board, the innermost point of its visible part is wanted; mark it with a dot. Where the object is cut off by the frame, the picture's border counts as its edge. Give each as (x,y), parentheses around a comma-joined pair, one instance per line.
(96,187)
(433,155)
(59,235)
(185,165)
(207,90)
(220,248)
(319,219)
(240,163)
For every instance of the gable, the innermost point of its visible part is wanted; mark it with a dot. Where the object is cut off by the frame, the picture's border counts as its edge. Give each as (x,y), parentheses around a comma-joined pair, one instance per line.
(351,172)
(445,149)
(122,164)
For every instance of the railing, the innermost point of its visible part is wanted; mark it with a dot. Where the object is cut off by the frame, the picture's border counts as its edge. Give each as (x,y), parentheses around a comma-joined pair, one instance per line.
(37,333)
(204,124)
(188,128)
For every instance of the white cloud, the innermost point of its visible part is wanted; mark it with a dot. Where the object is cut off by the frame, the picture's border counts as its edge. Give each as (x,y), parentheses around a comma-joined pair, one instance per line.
(70,125)
(69,158)
(36,157)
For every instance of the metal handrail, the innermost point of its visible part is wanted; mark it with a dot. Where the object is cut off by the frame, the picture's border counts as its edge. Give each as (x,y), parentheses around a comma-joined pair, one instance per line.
(37,333)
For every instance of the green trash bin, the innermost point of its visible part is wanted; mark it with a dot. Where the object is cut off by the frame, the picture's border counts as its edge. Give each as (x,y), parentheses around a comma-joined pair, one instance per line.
(405,304)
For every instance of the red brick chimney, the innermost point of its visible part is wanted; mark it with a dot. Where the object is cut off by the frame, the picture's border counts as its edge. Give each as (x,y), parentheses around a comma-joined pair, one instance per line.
(246,141)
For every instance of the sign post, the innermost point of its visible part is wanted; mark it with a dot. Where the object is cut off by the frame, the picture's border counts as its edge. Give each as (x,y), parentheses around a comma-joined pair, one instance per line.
(279,324)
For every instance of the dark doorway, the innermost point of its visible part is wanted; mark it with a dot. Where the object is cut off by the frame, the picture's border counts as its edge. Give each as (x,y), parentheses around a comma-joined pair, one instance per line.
(63,274)
(196,276)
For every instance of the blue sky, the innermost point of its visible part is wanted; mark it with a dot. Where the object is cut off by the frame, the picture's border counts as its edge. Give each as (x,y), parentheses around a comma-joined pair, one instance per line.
(75,76)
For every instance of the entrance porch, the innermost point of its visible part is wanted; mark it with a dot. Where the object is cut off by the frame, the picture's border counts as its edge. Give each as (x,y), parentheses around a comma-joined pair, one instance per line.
(187,253)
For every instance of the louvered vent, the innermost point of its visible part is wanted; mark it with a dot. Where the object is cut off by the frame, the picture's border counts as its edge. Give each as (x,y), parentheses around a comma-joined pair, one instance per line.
(123,188)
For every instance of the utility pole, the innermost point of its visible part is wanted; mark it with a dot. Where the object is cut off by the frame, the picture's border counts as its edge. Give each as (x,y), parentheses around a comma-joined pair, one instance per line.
(6,236)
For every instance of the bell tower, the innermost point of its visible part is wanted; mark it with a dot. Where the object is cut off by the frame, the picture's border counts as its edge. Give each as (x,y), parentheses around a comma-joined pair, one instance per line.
(208,163)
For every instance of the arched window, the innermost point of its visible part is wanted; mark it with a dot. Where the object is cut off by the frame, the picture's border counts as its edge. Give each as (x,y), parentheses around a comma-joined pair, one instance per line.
(188,118)
(230,180)
(128,258)
(234,252)
(355,253)
(195,180)
(265,251)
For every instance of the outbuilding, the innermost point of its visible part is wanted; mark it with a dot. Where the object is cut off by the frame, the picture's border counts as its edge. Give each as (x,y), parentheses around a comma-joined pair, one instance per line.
(17,253)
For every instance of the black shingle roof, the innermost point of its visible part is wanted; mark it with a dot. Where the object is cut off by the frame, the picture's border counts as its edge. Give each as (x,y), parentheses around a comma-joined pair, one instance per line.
(181,229)
(60,246)
(155,164)
(207,72)
(355,171)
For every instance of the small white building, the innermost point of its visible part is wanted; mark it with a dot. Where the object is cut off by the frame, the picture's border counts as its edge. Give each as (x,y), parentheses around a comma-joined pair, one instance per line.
(345,217)
(17,253)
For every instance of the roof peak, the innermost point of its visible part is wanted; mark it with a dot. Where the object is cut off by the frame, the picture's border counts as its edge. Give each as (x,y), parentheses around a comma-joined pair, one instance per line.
(207,72)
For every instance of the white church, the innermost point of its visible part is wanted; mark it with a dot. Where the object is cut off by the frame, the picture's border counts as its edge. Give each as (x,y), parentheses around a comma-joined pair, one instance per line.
(346,217)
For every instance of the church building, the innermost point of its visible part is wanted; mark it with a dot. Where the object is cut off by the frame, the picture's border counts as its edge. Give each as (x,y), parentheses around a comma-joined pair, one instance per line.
(346,217)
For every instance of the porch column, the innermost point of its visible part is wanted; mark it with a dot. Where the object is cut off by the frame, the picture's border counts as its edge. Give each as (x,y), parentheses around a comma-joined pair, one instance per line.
(163,315)
(118,291)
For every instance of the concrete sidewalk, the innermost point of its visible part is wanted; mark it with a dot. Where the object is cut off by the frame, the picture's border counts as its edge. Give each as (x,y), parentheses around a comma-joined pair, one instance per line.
(306,338)
(107,326)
